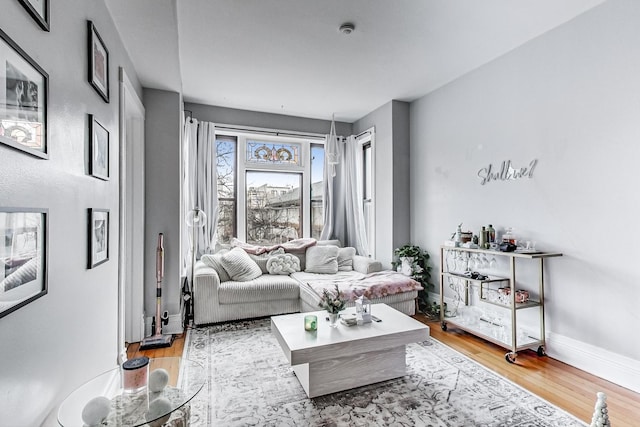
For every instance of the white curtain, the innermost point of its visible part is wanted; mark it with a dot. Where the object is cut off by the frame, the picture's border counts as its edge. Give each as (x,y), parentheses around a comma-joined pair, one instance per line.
(207,187)
(343,198)
(189,178)
(331,160)
(199,187)
(356,232)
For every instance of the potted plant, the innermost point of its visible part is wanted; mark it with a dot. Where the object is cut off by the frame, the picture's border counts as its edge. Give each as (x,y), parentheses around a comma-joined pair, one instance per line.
(412,261)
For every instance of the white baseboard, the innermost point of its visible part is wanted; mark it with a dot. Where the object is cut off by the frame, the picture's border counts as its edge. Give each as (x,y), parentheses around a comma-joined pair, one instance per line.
(618,369)
(173,327)
(613,367)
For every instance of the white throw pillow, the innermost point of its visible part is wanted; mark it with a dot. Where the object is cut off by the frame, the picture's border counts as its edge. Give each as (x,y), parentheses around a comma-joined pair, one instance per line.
(322,259)
(283,264)
(345,258)
(240,266)
(214,261)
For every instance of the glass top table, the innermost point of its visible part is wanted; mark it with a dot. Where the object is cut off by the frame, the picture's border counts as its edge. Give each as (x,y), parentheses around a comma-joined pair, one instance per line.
(186,379)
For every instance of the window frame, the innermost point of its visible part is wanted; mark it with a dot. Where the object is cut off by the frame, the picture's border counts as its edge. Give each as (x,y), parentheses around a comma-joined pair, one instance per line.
(367,142)
(243,166)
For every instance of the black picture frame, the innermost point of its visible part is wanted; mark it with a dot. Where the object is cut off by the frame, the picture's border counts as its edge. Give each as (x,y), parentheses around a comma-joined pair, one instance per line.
(98,236)
(23,110)
(24,250)
(39,11)
(98,62)
(99,149)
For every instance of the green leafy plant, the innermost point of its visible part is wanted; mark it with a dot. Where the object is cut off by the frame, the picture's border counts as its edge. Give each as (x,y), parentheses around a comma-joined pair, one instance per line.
(421,272)
(332,302)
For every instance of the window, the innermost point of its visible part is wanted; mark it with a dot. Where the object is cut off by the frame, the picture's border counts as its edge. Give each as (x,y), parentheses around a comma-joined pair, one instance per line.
(273,192)
(226,148)
(366,142)
(317,189)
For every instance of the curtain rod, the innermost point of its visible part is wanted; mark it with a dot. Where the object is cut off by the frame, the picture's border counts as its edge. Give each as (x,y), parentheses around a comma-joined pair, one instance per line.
(274,132)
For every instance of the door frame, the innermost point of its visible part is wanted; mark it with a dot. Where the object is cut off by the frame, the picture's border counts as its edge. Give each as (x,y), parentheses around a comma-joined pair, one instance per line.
(131,215)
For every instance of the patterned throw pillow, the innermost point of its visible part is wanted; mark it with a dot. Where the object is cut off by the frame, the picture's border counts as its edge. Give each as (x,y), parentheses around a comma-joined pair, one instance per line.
(322,259)
(262,259)
(283,264)
(240,266)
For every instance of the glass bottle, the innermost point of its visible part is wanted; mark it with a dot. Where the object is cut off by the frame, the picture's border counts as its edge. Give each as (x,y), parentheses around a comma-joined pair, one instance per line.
(492,234)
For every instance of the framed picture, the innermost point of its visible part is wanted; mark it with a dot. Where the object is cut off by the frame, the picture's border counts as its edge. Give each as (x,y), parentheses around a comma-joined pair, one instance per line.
(98,236)
(98,63)
(99,149)
(23,100)
(39,10)
(23,257)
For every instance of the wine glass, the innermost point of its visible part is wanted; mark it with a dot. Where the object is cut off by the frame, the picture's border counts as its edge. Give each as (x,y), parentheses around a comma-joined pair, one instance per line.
(484,264)
(493,263)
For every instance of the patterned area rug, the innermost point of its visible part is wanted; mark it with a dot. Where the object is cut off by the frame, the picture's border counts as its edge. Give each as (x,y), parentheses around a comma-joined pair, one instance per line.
(252,384)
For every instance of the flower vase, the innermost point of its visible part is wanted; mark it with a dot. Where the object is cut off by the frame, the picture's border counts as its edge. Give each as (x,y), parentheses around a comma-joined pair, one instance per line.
(333,320)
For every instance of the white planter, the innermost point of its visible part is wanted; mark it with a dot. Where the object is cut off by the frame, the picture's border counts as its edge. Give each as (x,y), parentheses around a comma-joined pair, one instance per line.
(406,267)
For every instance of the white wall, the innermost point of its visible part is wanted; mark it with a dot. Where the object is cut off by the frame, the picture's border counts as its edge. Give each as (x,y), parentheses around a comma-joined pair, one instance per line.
(59,341)
(571,99)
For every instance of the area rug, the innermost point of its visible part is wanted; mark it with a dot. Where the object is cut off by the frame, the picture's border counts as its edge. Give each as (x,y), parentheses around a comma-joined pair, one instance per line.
(251,384)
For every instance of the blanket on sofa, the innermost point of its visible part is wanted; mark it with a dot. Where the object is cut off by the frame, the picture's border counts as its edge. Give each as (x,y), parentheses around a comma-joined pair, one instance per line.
(353,284)
(292,245)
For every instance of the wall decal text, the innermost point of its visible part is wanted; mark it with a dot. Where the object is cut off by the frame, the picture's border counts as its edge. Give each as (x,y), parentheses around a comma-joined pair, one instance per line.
(506,172)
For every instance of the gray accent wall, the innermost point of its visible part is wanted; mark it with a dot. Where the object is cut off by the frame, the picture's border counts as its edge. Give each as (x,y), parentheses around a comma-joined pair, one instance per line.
(391,150)
(163,157)
(59,341)
(569,98)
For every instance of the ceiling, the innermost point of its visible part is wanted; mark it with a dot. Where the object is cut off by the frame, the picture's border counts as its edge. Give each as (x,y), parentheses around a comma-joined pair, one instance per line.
(288,57)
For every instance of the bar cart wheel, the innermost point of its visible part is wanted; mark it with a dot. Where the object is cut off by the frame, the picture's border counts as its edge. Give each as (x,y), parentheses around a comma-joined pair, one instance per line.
(541,351)
(443,325)
(510,357)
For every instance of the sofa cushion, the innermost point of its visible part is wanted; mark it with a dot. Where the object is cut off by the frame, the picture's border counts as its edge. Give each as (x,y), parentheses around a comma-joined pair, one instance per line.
(283,264)
(345,258)
(214,261)
(240,266)
(322,259)
(264,288)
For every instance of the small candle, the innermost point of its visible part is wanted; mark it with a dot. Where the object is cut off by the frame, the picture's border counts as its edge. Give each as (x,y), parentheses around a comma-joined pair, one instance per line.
(135,374)
(310,323)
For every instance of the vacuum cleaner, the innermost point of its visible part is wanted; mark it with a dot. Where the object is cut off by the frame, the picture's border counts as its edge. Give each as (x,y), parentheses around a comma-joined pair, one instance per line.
(157,340)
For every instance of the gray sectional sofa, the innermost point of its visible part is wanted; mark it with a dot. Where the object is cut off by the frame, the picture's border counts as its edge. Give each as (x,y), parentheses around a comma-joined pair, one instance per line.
(228,287)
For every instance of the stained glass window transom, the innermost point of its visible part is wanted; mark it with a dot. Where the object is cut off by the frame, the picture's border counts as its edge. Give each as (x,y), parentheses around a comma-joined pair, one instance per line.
(273,153)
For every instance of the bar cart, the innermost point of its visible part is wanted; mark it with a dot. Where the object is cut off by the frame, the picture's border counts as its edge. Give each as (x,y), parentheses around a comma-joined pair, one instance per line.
(499,291)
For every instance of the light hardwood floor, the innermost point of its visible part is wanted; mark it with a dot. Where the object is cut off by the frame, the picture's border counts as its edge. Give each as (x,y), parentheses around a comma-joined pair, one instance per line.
(565,386)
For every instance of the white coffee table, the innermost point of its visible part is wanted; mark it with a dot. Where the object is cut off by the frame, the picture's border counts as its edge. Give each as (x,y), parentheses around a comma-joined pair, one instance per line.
(335,359)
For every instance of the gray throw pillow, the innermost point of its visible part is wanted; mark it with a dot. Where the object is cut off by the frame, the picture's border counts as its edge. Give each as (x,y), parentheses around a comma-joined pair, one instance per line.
(240,266)
(214,261)
(345,258)
(322,259)
(284,264)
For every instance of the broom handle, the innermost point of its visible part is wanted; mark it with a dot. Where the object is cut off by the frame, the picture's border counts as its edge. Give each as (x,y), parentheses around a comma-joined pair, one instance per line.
(159,277)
